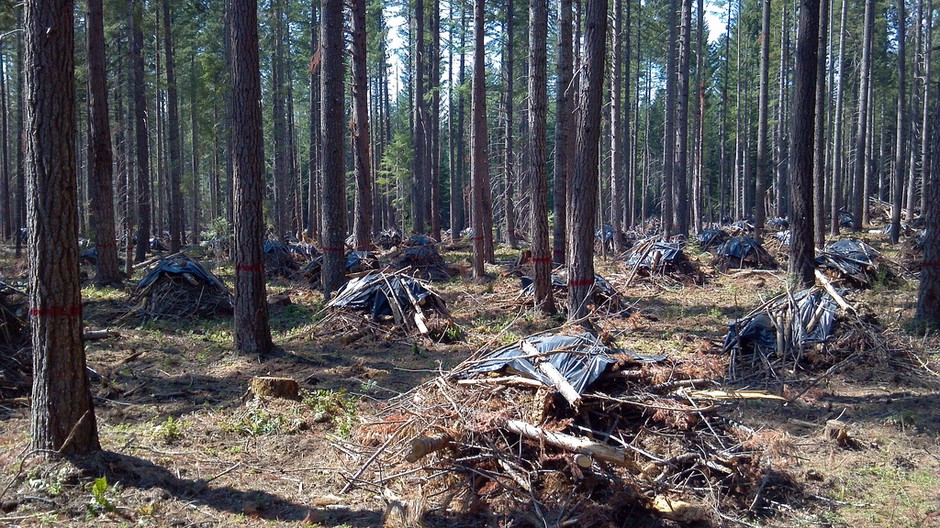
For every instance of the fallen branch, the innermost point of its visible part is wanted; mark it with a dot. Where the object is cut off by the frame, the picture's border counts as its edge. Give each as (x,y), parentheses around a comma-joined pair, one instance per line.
(573,444)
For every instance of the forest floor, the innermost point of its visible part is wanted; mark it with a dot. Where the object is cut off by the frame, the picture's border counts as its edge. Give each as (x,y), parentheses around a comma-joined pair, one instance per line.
(183,445)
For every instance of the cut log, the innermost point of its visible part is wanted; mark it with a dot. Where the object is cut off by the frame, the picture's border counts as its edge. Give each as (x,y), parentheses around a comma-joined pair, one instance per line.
(832,291)
(271,387)
(92,335)
(574,444)
(421,447)
(558,381)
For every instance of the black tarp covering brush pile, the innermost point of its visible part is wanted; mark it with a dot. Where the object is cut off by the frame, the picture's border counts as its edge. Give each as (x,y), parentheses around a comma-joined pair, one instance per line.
(602,295)
(177,287)
(743,252)
(653,257)
(567,429)
(813,327)
(850,259)
(383,298)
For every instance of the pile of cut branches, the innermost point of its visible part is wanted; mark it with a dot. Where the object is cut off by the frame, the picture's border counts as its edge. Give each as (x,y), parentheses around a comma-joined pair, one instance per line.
(388,304)
(177,287)
(563,430)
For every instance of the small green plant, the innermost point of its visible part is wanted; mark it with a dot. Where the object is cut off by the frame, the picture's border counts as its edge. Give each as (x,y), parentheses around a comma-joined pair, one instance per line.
(170,431)
(337,407)
(99,497)
(257,422)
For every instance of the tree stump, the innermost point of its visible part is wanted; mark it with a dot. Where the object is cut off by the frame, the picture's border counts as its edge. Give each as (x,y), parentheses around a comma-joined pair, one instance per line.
(271,387)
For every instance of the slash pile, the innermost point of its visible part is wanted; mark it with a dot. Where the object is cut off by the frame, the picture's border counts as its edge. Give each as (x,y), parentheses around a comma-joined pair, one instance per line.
(178,287)
(564,430)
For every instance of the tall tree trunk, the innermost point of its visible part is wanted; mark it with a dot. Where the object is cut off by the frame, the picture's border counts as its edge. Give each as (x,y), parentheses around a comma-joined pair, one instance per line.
(173,126)
(313,187)
(282,203)
(63,417)
(901,133)
(564,140)
(837,128)
(99,150)
(669,130)
(333,201)
(538,106)
(6,191)
(252,333)
(194,126)
(819,168)
(763,172)
(723,123)
(458,187)
(914,119)
(928,298)
(507,147)
(227,118)
(802,253)
(362,226)
(699,148)
(783,162)
(451,136)
(20,140)
(142,141)
(419,133)
(862,134)
(584,181)
(680,170)
(616,128)
(479,164)
(926,124)
(434,143)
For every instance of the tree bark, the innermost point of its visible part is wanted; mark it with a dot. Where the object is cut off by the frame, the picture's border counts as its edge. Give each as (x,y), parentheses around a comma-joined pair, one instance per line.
(763,172)
(819,167)
(419,133)
(5,201)
(538,107)
(837,129)
(434,143)
(252,332)
(282,202)
(63,417)
(584,182)
(194,130)
(680,169)
(926,124)
(173,129)
(858,196)
(669,129)
(802,253)
(479,164)
(928,298)
(508,205)
(142,140)
(99,150)
(313,187)
(362,225)
(564,140)
(616,128)
(901,133)
(333,200)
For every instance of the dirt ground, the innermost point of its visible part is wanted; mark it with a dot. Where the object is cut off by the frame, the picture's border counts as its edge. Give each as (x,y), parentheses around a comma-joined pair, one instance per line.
(184,444)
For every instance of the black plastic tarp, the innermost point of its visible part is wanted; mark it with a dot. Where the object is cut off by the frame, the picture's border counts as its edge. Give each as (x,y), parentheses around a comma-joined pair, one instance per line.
(711,238)
(581,359)
(374,293)
(560,283)
(812,321)
(853,258)
(662,254)
(178,265)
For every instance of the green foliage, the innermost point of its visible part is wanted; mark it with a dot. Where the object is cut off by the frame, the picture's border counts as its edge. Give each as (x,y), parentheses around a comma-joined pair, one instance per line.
(337,407)
(100,502)
(256,421)
(170,431)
